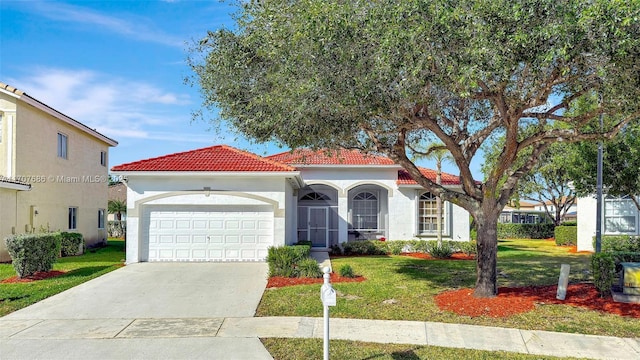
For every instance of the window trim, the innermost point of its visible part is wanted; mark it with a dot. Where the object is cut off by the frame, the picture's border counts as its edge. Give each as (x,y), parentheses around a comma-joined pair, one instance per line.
(446,210)
(634,212)
(63,150)
(376,195)
(72,218)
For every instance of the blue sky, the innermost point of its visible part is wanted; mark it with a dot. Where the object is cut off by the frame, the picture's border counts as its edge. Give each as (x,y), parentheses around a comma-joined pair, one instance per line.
(118,67)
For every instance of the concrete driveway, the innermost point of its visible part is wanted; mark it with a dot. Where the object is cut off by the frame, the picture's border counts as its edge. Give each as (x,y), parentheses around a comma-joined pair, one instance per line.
(145,310)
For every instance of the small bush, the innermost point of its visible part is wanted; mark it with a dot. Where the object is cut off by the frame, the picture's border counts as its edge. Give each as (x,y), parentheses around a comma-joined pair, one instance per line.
(362,247)
(619,243)
(525,231)
(304,242)
(566,234)
(71,244)
(473,234)
(283,260)
(603,268)
(336,249)
(468,247)
(440,252)
(419,246)
(31,253)
(395,247)
(346,271)
(308,267)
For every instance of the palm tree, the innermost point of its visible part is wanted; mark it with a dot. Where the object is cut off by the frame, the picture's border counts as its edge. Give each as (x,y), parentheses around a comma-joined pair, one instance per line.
(440,154)
(116,207)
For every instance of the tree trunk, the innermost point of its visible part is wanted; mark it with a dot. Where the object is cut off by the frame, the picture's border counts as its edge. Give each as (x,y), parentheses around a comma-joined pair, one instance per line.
(439,204)
(486,262)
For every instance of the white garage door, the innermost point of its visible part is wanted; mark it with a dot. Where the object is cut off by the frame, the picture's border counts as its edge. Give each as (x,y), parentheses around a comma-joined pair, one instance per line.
(221,233)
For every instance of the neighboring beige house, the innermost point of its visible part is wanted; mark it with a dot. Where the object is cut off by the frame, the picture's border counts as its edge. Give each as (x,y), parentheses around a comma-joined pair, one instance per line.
(53,171)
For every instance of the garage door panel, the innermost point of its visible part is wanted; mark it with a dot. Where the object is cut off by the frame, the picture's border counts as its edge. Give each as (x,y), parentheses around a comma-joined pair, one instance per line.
(214,235)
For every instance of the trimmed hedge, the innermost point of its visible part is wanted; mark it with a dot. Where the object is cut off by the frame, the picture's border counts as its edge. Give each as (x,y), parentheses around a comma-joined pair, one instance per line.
(31,253)
(606,267)
(525,231)
(71,244)
(620,243)
(395,247)
(566,234)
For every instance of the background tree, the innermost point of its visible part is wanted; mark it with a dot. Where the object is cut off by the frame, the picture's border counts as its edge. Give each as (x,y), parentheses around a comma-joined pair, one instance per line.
(620,165)
(386,76)
(547,183)
(438,153)
(116,207)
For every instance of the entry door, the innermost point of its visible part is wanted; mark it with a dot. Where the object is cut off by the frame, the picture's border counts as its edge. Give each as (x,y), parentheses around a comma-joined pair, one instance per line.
(319,226)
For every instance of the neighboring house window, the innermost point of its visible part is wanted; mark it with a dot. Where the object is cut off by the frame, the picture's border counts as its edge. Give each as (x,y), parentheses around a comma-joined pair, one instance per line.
(63,143)
(73,218)
(427,213)
(365,211)
(101,215)
(103,158)
(620,215)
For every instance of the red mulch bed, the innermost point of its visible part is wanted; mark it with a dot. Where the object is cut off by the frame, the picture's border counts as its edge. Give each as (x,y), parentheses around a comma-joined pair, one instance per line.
(511,301)
(40,275)
(456,256)
(279,281)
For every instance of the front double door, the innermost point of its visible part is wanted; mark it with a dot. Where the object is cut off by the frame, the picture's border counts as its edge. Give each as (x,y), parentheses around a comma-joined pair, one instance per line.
(318,226)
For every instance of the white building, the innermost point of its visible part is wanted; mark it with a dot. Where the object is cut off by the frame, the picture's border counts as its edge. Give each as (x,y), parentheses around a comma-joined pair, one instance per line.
(223,204)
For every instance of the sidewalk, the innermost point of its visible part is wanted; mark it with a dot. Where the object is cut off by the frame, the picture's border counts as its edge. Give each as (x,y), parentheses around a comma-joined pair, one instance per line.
(143,338)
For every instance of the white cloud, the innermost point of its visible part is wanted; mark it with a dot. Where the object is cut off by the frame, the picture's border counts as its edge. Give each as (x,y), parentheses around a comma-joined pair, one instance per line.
(138,28)
(116,107)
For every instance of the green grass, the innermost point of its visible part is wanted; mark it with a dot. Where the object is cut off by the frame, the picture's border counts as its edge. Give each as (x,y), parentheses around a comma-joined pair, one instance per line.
(15,296)
(285,349)
(413,283)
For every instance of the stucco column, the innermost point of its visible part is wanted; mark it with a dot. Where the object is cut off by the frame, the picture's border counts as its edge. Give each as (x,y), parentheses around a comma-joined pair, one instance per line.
(343,216)
(133,255)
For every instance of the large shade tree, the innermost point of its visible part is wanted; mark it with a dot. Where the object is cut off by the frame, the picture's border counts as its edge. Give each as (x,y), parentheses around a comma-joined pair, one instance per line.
(387,77)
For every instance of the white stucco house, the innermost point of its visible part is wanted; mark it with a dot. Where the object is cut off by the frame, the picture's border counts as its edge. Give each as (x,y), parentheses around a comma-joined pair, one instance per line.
(223,204)
(619,217)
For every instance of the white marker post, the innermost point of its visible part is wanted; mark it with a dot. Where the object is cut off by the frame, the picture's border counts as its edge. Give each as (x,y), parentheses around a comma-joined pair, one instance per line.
(563,281)
(328,297)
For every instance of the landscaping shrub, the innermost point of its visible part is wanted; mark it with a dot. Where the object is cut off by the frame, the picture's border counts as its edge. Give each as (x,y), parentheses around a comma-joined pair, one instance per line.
(419,246)
(346,271)
(566,234)
(441,252)
(304,242)
(525,231)
(283,260)
(71,244)
(395,247)
(603,268)
(31,253)
(309,267)
(467,247)
(336,249)
(363,247)
(620,243)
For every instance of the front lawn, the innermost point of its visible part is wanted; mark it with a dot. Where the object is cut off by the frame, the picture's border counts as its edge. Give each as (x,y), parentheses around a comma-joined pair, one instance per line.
(412,284)
(285,349)
(79,269)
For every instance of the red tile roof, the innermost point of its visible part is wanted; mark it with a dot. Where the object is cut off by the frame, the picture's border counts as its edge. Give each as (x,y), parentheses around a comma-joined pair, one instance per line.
(221,158)
(447,179)
(330,157)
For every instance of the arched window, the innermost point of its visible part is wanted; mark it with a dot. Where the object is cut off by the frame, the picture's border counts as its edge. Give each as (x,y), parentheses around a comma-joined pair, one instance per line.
(315,196)
(365,211)
(427,214)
